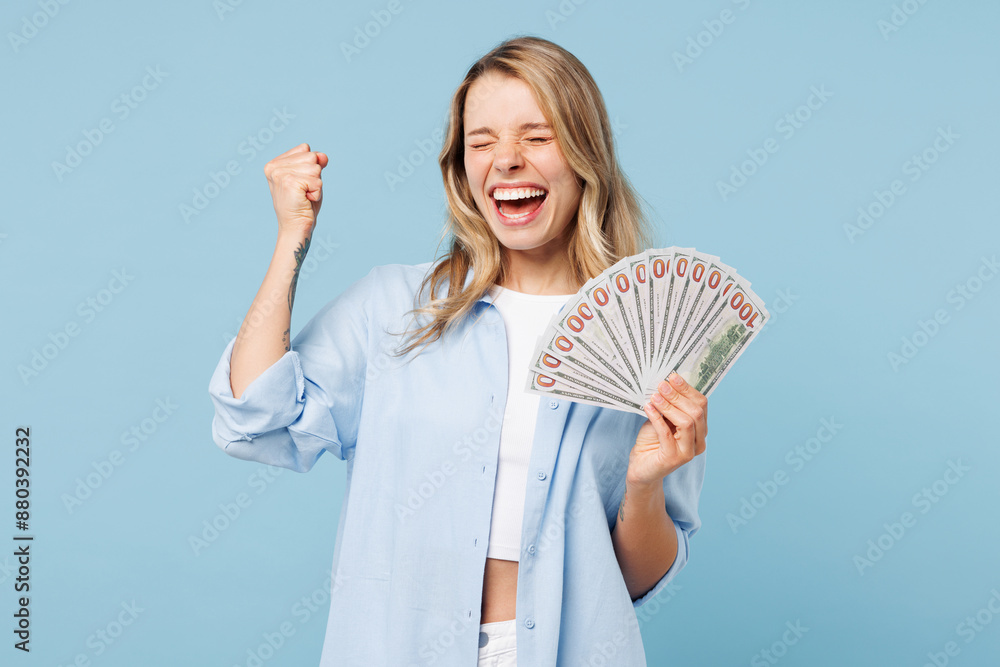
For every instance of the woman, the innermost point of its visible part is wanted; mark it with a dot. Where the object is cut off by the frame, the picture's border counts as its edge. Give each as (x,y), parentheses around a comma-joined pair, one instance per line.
(477,517)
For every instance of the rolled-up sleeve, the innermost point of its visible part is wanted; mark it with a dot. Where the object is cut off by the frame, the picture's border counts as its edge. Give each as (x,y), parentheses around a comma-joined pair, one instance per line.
(682,489)
(307,401)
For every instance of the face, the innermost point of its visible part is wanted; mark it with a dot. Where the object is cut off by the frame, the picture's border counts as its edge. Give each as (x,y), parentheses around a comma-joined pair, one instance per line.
(519,178)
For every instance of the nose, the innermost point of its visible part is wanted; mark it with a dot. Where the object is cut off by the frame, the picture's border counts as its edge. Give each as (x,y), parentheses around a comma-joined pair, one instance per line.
(507,155)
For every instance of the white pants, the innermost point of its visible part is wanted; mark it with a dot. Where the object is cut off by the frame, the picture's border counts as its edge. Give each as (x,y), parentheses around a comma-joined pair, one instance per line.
(498,644)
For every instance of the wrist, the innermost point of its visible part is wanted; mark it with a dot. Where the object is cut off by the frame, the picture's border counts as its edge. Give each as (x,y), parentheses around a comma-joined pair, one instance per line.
(293,239)
(645,492)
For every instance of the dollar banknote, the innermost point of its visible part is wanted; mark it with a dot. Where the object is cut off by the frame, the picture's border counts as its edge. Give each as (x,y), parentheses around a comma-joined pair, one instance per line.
(660,311)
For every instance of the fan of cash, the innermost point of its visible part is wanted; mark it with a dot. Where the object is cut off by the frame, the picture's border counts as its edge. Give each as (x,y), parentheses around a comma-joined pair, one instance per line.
(625,331)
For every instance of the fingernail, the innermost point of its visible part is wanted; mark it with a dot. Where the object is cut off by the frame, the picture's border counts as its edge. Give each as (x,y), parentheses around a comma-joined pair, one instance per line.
(677,379)
(657,398)
(665,388)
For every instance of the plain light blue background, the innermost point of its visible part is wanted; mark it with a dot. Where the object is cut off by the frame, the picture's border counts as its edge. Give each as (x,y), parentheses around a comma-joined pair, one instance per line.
(840,307)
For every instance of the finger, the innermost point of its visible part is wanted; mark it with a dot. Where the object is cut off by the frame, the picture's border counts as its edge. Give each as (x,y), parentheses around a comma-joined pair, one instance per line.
(671,431)
(690,408)
(696,398)
(667,390)
(687,390)
(300,161)
(659,424)
(294,180)
(301,148)
(684,426)
(315,193)
(285,172)
(312,187)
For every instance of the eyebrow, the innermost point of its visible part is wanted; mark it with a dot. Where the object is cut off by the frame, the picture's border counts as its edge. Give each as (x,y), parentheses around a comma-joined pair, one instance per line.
(524,127)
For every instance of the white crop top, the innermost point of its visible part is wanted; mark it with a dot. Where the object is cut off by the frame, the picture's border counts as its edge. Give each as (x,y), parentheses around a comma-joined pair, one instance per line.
(525,317)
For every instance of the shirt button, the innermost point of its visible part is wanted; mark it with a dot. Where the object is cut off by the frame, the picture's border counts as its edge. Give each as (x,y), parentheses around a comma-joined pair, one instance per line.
(553,404)
(528,623)
(531,549)
(541,474)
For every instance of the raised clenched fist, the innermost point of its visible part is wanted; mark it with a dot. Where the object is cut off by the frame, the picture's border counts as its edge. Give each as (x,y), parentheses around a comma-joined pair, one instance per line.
(296,187)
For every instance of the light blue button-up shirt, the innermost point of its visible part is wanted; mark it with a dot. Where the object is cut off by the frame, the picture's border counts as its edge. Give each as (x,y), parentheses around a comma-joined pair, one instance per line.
(420,436)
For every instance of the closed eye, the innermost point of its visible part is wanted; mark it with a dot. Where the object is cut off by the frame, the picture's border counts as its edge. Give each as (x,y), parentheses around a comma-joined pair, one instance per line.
(536,140)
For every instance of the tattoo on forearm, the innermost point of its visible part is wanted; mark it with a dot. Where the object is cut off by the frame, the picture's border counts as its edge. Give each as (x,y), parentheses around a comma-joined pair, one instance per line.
(284,339)
(300,256)
(621,508)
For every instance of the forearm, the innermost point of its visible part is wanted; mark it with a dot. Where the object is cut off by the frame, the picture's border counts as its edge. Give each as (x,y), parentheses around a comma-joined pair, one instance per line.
(644,538)
(265,334)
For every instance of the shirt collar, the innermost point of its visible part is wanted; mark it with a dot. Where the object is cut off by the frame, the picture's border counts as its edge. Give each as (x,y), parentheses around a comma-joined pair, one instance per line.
(485,297)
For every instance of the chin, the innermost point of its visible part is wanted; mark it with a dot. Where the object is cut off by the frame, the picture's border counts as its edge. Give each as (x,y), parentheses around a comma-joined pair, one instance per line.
(526,242)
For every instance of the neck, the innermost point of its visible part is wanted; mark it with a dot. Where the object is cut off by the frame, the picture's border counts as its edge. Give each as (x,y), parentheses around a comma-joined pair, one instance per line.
(533,274)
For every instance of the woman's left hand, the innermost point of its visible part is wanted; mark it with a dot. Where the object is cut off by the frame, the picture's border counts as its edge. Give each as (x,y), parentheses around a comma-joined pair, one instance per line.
(673,435)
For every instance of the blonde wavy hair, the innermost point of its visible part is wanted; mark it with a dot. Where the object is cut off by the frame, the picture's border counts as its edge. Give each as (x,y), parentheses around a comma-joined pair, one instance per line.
(609,224)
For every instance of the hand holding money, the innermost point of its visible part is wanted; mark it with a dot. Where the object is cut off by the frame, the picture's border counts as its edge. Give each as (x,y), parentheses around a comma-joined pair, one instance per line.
(674,434)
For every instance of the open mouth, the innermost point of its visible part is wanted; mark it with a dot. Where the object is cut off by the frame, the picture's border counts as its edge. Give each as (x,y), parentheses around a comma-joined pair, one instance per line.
(516,203)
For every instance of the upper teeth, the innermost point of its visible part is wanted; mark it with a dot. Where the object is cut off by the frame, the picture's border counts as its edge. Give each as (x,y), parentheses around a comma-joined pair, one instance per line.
(517,193)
